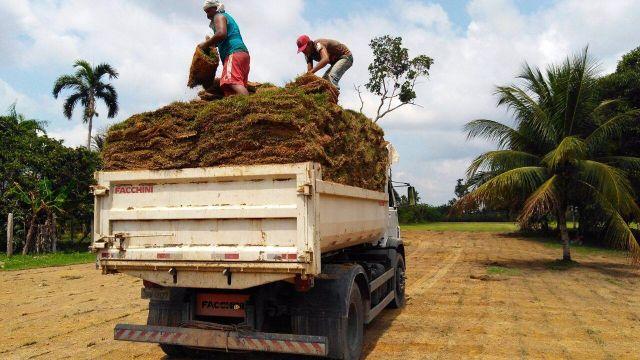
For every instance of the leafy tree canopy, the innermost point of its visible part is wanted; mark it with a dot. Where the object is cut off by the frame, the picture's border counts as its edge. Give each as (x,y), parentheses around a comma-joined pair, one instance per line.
(393,74)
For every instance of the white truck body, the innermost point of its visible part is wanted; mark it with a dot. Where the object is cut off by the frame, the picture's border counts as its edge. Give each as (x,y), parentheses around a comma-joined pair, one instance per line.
(192,228)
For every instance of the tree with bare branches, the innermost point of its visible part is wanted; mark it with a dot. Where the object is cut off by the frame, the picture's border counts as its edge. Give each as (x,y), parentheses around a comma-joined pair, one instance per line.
(393,75)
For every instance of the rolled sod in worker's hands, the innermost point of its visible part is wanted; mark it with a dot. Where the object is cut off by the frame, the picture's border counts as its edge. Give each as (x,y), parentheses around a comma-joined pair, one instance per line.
(203,68)
(298,123)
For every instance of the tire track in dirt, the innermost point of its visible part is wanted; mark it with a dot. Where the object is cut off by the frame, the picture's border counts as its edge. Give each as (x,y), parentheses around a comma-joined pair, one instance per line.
(546,320)
(409,338)
(584,327)
(429,280)
(471,322)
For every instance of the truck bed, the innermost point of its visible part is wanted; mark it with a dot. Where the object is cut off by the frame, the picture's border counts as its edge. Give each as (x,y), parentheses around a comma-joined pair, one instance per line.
(229,227)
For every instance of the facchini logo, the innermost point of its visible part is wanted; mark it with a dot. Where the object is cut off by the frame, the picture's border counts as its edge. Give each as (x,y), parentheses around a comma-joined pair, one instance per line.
(139,189)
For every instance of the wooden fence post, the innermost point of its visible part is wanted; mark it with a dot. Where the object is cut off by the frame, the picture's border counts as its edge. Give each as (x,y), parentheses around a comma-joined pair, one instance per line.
(54,234)
(10,235)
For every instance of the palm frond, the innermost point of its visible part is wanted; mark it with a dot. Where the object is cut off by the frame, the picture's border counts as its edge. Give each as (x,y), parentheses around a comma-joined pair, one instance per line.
(536,83)
(581,81)
(543,201)
(108,94)
(500,161)
(513,183)
(85,71)
(527,111)
(492,131)
(618,233)
(623,162)
(570,150)
(105,69)
(606,104)
(612,128)
(611,182)
(67,82)
(71,102)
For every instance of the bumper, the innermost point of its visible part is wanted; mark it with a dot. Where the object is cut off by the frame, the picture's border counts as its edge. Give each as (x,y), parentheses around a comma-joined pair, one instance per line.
(224,340)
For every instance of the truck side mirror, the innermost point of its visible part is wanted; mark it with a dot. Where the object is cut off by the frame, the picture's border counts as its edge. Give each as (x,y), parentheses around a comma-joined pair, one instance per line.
(412,195)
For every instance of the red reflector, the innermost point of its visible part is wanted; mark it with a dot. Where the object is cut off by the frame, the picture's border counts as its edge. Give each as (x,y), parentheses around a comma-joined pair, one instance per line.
(231,256)
(227,305)
(292,256)
(163,256)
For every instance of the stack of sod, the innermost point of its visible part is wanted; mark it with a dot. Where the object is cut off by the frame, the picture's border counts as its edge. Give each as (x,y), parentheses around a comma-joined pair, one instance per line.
(297,123)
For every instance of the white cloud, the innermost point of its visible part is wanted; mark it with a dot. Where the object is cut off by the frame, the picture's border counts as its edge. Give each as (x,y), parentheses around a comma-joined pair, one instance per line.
(151,42)
(10,96)
(74,135)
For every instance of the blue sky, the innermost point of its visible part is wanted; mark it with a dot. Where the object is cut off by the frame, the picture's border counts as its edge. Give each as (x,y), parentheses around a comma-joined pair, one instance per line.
(476,44)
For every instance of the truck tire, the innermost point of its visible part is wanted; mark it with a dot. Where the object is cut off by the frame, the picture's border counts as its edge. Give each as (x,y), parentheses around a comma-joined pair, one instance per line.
(399,285)
(352,333)
(168,313)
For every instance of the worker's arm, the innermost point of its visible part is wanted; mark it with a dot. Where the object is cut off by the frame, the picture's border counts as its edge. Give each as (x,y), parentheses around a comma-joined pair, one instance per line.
(309,65)
(220,23)
(324,60)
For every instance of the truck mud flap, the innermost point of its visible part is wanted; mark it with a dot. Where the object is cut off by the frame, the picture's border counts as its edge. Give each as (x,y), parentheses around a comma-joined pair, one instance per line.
(224,340)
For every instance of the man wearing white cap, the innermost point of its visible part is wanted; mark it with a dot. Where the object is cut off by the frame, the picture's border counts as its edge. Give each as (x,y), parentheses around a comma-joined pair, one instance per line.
(233,52)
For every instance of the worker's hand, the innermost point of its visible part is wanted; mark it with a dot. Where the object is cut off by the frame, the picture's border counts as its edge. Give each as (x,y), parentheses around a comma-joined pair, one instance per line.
(203,46)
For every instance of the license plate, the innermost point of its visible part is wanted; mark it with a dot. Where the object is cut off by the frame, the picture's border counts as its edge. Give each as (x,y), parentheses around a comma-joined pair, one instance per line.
(224,305)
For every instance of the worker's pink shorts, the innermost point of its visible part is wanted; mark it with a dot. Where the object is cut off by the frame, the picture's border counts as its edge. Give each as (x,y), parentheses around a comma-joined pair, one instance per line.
(236,70)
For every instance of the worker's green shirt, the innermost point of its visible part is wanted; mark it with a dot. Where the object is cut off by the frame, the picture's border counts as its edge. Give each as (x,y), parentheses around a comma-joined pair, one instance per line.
(233,43)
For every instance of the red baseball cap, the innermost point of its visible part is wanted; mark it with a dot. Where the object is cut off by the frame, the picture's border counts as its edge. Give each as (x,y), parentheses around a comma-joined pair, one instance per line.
(303,42)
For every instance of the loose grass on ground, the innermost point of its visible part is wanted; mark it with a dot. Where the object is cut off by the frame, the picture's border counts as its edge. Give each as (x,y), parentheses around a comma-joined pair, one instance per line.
(501,270)
(582,249)
(497,227)
(22,262)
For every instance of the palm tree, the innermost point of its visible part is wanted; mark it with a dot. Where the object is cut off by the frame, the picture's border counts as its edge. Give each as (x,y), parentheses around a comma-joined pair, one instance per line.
(87,87)
(558,153)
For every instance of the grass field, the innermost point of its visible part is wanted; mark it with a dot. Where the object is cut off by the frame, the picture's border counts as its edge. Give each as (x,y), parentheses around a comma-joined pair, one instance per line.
(22,262)
(498,227)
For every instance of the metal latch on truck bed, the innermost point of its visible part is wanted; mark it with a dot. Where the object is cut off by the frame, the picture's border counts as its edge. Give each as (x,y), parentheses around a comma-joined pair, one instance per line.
(305,190)
(108,241)
(99,190)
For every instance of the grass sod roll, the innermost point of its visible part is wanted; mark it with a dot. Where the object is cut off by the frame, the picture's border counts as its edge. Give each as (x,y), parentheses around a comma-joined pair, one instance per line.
(298,123)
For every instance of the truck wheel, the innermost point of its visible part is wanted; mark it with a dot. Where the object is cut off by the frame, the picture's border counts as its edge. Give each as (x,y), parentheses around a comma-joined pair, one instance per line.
(173,351)
(353,331)
(399,282)
(170,314)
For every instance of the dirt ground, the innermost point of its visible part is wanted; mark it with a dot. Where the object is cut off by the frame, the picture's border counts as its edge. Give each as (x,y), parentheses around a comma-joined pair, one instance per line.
(532,312)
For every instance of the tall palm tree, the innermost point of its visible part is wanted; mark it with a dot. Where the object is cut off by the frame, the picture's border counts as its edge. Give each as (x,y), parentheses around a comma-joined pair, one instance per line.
(87,87)
(558,153)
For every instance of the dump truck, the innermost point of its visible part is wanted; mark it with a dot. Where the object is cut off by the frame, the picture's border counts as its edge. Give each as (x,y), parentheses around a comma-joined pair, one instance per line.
(260,258)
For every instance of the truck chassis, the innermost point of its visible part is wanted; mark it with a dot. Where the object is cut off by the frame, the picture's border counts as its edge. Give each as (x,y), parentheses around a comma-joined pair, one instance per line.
(327,320)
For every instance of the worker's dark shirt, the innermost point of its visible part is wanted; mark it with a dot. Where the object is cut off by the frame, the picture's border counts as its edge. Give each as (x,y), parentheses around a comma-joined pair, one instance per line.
(336,51)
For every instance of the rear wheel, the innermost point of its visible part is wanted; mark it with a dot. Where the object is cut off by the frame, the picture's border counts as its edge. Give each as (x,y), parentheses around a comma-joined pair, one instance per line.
(399,285)
(163,313)
(353,331)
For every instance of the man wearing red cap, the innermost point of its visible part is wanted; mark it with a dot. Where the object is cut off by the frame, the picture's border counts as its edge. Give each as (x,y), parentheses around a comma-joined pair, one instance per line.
(326,52)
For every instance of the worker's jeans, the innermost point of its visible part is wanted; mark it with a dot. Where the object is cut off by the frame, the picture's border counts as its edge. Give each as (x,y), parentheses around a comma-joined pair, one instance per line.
(337,70)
